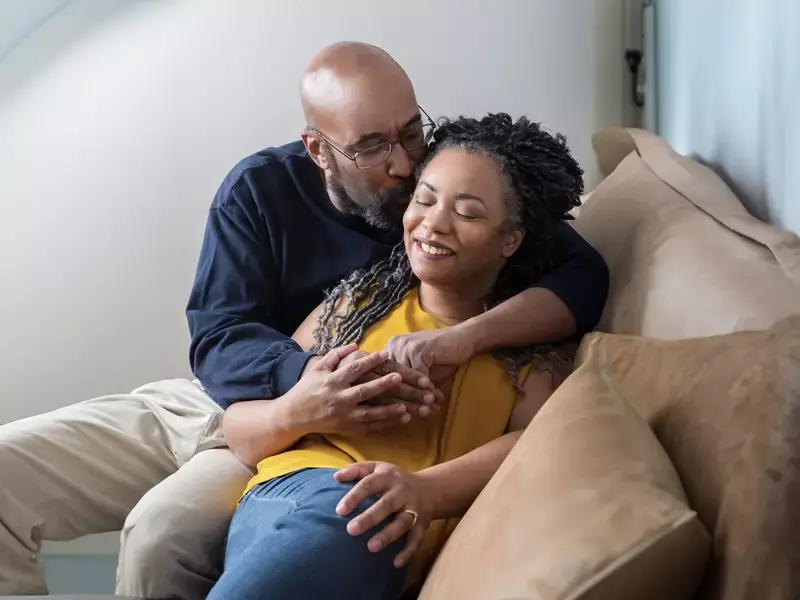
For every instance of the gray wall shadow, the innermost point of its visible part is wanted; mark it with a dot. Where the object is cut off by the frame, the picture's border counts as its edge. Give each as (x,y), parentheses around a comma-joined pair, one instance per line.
(50,36)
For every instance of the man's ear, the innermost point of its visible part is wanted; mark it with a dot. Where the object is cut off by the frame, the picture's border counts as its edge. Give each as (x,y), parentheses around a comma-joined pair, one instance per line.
(314,147)
(513,239)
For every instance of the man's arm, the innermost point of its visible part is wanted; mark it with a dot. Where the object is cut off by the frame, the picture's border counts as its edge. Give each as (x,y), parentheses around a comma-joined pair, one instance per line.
(325,400)
(236,351)
(566,302)
(535,315)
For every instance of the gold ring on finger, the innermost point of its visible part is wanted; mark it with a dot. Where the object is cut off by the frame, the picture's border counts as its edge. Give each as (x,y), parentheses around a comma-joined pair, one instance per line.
(414,515)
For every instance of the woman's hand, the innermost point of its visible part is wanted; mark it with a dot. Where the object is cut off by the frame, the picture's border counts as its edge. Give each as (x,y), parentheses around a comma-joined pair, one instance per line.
(401,494)
(327,399)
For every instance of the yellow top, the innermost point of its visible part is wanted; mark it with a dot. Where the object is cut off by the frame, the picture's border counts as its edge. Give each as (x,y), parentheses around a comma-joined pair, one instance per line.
(476,412)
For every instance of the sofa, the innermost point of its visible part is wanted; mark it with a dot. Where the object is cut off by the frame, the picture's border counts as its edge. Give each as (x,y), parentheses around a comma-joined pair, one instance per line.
(668,465)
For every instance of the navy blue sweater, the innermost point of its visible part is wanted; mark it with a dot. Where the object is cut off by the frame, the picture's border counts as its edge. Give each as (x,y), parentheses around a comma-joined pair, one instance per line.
(274,243)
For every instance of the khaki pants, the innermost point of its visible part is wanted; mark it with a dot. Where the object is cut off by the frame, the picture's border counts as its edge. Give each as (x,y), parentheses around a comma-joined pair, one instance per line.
(152,463)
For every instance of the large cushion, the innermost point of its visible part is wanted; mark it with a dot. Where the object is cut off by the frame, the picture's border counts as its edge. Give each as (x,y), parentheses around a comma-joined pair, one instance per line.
(727,411)
(686,258)
(587,506)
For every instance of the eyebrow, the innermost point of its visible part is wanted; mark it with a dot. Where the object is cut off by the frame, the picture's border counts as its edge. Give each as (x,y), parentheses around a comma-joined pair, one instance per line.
(458,196)
(378,135)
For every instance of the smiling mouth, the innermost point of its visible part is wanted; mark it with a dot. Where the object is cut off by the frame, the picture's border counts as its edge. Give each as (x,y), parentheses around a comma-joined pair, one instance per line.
(433,251)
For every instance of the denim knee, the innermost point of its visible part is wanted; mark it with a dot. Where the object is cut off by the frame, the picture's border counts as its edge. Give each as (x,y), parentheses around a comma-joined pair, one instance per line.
(286,541)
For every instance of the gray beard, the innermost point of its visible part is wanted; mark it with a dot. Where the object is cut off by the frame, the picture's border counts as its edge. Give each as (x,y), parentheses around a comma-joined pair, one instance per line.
(382,212)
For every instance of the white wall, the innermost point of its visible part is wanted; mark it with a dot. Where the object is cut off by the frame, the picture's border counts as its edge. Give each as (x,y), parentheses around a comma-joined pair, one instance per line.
(20,19)
(729,93)
(616,27)
(118,119)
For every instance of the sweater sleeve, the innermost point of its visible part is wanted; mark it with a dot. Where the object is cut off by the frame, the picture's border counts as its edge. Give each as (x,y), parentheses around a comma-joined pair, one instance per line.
(236,351)
(579,278)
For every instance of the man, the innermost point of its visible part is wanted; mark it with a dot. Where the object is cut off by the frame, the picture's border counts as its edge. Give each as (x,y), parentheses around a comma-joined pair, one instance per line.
(286,224)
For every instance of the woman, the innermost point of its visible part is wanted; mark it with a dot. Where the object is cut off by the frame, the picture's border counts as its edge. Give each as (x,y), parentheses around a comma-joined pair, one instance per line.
(360,516)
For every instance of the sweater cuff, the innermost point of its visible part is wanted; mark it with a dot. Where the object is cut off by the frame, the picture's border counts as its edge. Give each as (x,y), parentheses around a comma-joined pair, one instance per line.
(288,370)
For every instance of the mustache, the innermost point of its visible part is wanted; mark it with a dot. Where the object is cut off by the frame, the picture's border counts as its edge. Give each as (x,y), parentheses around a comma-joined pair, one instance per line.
(403,191)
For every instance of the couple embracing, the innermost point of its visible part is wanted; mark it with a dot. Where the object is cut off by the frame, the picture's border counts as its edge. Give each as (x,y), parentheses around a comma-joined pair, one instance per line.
(378,312)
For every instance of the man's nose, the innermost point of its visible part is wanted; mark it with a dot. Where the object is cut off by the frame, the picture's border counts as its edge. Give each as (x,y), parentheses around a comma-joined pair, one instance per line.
(400,164)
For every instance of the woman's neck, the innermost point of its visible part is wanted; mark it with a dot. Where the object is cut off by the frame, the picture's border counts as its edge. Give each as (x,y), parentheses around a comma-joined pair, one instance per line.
(449,306)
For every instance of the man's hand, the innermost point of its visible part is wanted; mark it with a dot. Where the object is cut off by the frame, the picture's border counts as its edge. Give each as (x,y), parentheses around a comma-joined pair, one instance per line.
(327,399)
(415,390)
(437,353)
(401,494)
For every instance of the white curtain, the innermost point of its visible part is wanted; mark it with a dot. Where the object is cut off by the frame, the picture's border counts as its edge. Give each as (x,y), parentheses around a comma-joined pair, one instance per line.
(728,92)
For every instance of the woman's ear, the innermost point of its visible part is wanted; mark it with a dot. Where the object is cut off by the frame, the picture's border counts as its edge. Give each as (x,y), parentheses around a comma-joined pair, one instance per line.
(513,239)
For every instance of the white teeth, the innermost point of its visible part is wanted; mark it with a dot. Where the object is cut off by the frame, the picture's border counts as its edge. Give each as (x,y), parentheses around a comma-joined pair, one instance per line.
(433,249)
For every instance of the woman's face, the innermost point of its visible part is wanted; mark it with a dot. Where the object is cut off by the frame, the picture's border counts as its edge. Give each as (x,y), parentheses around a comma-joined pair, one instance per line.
(456,229)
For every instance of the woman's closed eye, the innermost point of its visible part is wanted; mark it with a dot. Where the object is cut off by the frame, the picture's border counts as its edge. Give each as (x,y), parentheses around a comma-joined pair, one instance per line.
(469,210)
(462,214)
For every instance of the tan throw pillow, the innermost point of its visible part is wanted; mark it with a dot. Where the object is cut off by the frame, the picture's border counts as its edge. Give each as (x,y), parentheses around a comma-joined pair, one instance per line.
(727,411)
(685,257)
(587,506)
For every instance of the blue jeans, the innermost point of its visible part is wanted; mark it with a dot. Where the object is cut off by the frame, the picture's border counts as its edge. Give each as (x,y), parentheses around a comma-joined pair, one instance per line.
(286,542)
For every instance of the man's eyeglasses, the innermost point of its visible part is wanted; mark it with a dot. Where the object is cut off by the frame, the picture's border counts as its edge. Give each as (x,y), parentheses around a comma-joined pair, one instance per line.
(413,139)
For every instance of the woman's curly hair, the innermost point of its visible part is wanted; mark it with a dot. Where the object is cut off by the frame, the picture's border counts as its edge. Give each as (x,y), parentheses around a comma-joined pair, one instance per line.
(542,183)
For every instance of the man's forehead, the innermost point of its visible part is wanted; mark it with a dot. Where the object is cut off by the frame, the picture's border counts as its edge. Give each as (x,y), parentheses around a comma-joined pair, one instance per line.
(360,105)
(363,134)
(360,121)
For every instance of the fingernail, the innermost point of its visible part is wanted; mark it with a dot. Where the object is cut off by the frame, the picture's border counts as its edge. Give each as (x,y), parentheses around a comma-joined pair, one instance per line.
(406,418)
(424,382)
(424,411)
(429,398)
(401,409)
(354,528)
(375,546)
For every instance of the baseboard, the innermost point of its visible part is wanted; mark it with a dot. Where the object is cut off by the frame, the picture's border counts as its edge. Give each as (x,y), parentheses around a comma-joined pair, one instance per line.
(103,544)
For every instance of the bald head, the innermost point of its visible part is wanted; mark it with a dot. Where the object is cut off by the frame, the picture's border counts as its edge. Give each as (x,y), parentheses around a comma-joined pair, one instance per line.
(357,100)
(343,77)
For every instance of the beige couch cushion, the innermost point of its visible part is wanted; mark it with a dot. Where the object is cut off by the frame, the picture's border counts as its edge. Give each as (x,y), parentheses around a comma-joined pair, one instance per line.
(686,259)
(727,411)
(587,506)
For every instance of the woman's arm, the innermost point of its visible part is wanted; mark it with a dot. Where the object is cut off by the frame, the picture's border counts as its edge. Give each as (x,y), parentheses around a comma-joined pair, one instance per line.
(261,428)
(455,484)
(320,403)
(257,429)
(304,334)
(439,492)
(325,400)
